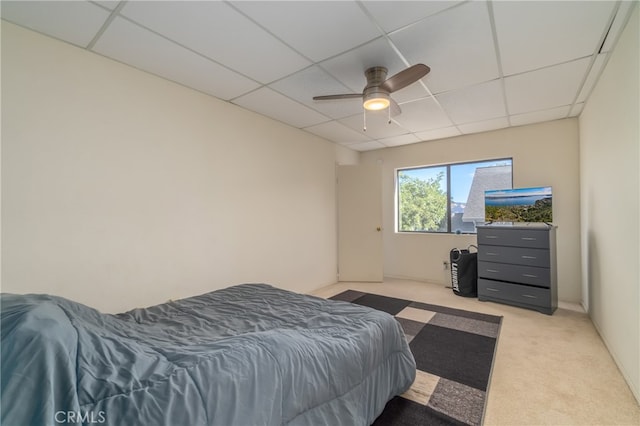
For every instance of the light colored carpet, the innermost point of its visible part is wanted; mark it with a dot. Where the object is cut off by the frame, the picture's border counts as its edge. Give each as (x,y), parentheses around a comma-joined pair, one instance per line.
(548,370)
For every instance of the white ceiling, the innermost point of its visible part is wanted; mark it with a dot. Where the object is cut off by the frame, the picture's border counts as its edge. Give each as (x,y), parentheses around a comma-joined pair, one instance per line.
(494,64)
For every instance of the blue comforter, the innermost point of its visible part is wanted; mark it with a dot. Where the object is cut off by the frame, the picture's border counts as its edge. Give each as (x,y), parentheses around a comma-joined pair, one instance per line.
(245,355)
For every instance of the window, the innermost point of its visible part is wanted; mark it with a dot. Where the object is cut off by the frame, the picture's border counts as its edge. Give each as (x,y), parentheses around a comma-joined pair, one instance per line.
(448,198)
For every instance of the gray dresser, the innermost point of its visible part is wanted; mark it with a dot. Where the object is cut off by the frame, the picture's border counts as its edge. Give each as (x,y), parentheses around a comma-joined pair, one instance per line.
(517,266)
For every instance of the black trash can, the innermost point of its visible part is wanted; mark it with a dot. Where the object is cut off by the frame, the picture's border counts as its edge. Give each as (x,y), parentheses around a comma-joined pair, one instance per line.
(464,271)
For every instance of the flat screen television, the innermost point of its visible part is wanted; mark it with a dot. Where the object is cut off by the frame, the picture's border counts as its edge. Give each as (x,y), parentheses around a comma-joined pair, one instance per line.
(519,205)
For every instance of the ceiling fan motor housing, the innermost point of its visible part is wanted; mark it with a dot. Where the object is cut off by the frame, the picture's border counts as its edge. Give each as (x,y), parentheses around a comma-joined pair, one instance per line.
(375,97)
(375,76)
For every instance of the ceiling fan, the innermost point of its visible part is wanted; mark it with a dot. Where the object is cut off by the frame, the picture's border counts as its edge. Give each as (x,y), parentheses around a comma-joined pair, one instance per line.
(376,94)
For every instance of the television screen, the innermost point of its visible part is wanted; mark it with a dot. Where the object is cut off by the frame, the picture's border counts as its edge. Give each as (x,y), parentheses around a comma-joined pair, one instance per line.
(518,205)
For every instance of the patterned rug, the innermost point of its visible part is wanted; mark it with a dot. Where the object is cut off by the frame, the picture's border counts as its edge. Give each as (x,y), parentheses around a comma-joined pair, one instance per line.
(454,352)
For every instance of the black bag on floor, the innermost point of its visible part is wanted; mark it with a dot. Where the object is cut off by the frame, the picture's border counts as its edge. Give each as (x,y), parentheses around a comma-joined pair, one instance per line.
(464,272)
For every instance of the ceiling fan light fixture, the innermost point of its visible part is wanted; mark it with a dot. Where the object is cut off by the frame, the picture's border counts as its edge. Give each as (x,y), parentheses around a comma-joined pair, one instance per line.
(376,101)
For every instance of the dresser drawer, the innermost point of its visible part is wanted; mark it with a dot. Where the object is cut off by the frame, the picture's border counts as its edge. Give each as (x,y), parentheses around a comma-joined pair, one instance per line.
(519,294)
(534,238)
(515,255)
(515,273)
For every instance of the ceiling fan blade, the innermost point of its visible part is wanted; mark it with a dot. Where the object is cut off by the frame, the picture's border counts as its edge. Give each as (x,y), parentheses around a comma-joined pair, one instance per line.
(405,77)
(395,108)
(343,96)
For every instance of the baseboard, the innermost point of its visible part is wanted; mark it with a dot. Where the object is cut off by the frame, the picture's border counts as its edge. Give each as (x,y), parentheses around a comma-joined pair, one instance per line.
(418,279)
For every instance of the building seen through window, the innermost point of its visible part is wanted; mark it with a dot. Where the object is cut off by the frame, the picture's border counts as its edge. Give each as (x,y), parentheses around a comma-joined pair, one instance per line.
(448,198)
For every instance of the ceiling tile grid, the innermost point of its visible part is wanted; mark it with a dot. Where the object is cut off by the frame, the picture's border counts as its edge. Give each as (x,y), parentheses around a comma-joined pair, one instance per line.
(457,44)
(131,44)
(74,22)
(494,64)
(317,29)
(564,31)
(220,33)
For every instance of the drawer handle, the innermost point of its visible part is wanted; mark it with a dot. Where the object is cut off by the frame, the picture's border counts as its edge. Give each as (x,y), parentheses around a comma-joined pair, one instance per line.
(529,238)
(530,275)
(492,289)
(529,296)
(491,237)
(492,254)
(495,271)
(528,257)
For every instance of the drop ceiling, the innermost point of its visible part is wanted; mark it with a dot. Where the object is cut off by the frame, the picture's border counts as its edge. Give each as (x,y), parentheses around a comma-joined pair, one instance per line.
(494,64)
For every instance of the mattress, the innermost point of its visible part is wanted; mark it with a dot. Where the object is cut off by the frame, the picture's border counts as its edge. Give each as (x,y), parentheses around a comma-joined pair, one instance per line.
(246,355)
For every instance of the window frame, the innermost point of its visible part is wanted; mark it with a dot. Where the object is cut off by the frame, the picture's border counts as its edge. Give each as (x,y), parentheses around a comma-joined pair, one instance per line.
(447,167)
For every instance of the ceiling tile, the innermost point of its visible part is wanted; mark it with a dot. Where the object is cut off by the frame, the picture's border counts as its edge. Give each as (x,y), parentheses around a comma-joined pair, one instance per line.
(221,33)
(539,116)
(317,29)
(338,108)
(392,15)
(568,29)
(476,103)
(484,126)
(546,88)
(109,4)
(75,22)
(443,133)
(272,104)
(313,81)
(457,45)
(337,132)
(131,44)
(422,115)
(410,93)
(349,67)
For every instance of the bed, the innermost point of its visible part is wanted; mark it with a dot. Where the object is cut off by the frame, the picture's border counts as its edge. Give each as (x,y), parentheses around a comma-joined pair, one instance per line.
(250,354)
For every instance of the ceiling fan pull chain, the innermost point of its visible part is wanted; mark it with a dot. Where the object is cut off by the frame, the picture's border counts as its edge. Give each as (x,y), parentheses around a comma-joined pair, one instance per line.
(364,119)
(389,110)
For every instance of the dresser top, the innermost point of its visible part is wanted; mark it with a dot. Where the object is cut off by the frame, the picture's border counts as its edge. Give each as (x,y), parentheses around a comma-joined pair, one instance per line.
(531,226)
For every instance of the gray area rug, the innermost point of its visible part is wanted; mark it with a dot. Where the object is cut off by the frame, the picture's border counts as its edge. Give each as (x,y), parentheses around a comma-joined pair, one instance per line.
(454,351)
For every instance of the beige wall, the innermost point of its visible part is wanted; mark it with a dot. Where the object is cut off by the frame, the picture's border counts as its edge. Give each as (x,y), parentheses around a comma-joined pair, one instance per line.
(120,189)
(543,154)
(609,162)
